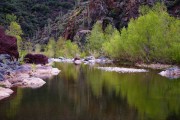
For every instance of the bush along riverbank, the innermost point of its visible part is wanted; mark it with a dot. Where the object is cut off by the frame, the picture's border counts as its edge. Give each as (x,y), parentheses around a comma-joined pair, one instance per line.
(153,37)
(12,74)
(151,40)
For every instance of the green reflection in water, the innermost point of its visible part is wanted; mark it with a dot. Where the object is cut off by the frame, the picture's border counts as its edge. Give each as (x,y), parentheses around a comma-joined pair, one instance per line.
(154,97)
(86,93)
(15,104)
(10,109)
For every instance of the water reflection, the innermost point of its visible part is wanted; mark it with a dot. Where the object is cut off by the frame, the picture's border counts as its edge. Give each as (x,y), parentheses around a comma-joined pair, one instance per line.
(85,93)
(153,96)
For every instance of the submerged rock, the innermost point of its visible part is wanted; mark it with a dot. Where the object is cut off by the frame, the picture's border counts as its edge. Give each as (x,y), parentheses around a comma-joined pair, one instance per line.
(65,60)
(153,66)
(45,71)
(55,71)
(32,82)
(172,73)
(5,92)
(122,70)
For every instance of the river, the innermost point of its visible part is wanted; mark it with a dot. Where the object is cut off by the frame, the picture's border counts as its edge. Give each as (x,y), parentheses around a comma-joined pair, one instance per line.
(86,93)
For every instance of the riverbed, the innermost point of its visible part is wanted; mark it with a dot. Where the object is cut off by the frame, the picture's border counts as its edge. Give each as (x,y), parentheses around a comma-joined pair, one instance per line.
(83,92)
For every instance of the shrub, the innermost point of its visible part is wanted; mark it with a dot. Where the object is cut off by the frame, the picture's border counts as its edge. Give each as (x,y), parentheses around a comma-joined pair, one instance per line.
(97,37)
(37,48)
(50,48)
(66,48)
(152,37)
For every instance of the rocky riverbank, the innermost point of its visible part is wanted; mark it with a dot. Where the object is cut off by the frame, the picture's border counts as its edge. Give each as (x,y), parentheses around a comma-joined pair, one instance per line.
(86,60)
(169,71)
(12,74)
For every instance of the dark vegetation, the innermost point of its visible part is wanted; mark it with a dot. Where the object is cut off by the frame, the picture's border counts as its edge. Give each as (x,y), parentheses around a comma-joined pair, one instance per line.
(33,15)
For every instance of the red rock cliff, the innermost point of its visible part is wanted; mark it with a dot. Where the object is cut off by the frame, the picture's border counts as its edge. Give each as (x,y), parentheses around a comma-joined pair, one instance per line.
(8,44)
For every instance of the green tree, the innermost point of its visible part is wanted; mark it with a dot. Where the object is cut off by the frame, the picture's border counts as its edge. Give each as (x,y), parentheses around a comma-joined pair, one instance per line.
(37,48)
(66,48)
(50,48)
(10,18)
(95,39)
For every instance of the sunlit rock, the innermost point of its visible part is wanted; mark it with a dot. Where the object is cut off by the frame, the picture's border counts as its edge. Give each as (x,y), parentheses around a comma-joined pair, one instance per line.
(32,82)
(77,62)
(6,83)
(122,70)
(88,58)
(171,73)
(5,92)
(55,71)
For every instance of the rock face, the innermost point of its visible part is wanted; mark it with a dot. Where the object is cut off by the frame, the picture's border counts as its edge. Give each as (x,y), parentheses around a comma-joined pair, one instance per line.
(36,59)
(8,44)
(121,11)
(115,12)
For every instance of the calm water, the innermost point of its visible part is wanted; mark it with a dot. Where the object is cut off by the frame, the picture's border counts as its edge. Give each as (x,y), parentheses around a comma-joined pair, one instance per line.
(85,93)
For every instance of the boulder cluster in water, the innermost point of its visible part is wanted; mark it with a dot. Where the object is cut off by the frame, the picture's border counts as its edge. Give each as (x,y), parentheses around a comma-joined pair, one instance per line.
(86,60)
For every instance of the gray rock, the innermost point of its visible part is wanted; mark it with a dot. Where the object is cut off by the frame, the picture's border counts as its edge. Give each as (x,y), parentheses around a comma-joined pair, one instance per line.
(2,71)
(1,77)
(122,70)
(89,58)
(5,92)
(23,68)
(172,73)
(4,56)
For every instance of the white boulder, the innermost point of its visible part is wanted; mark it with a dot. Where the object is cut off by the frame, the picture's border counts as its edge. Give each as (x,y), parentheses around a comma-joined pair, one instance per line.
(122,70)
(5,92)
